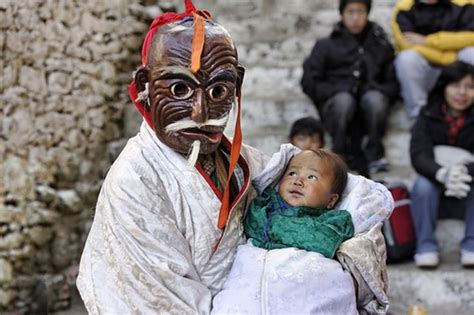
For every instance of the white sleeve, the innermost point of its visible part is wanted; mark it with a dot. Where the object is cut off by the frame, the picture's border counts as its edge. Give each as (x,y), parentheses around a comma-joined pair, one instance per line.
(136,260)
(368,202)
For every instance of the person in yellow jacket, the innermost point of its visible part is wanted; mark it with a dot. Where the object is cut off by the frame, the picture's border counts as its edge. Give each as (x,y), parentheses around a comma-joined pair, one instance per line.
(430,34)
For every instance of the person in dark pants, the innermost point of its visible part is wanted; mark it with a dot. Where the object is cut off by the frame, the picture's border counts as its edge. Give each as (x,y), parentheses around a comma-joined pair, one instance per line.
(350,78)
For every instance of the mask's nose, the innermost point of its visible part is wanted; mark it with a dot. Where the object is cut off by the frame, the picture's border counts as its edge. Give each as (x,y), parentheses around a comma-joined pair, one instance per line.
(199,113)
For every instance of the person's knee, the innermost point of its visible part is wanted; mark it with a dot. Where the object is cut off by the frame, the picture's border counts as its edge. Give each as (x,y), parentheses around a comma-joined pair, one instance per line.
(375,102)
(467,55)
(424,187)
(344,103)
(408,60)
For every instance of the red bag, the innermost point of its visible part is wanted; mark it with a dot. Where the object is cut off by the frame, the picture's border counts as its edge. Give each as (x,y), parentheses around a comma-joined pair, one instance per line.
(398,229)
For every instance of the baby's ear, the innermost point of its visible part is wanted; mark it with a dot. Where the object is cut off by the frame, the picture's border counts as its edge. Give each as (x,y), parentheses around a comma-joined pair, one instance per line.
(333,201)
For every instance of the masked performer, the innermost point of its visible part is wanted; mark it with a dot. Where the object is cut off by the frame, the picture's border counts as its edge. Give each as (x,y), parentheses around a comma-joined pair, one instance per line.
(169,215)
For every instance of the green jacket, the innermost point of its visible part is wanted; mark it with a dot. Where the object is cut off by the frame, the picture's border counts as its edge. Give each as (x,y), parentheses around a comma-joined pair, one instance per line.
(271,223)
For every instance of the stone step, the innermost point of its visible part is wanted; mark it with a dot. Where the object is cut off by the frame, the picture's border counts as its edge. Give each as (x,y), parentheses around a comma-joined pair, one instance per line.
(398,118)
(449,289)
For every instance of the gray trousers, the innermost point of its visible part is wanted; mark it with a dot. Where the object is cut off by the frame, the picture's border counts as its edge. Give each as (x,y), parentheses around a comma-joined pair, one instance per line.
(346,119)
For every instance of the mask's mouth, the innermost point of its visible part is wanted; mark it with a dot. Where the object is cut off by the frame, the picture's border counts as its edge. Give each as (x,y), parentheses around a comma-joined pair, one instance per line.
(205,134)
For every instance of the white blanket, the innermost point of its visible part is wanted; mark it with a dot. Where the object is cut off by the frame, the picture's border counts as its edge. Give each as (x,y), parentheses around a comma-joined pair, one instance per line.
(285,281)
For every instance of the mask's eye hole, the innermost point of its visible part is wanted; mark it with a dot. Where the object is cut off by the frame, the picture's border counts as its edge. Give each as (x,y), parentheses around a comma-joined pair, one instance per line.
(218,92)
(181,90)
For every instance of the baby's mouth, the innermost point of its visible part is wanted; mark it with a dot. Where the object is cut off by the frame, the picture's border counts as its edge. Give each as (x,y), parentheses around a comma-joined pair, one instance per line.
(296,193)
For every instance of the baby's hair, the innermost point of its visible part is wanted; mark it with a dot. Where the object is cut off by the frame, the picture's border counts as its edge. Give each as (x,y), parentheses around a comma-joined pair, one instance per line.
(339,168)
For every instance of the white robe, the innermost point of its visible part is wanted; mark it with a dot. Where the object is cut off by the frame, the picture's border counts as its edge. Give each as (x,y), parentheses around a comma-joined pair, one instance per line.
(154,246)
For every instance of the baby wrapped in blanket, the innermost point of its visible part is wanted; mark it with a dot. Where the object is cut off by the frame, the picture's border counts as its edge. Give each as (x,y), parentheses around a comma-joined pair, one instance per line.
(287,266)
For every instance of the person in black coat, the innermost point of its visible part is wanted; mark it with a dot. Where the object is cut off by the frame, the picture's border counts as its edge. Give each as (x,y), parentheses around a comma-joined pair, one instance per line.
(441,151)
(350,78)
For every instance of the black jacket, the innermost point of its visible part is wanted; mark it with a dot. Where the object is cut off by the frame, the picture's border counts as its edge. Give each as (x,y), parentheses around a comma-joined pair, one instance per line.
(444,16)
(431,130)
(344,63)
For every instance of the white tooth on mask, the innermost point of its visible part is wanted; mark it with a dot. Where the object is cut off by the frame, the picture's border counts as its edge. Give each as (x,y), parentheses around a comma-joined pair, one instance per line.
(193,155)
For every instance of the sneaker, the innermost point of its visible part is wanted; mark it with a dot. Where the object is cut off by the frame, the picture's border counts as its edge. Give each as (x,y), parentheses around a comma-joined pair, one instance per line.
(427,260)
(467,259)
(380,165)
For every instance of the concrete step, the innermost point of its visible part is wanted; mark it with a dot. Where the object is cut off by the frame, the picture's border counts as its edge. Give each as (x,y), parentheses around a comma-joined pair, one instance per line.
(449,289)
(398,118)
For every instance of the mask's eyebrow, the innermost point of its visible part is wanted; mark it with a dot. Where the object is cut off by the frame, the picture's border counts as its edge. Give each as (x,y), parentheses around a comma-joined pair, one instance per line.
(175,72)
(225,75)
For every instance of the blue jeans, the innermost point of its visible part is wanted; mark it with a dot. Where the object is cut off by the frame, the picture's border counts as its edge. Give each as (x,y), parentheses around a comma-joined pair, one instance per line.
(417,77)
(425,203)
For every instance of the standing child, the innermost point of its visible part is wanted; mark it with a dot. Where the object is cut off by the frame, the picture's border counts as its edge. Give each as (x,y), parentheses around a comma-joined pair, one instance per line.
(307,134)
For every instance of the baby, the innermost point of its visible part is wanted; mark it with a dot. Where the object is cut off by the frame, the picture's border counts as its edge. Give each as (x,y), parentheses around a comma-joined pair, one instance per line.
(300,214)
(273,273)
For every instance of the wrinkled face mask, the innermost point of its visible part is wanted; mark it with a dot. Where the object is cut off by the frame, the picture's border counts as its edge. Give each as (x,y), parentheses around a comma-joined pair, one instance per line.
(186,85)
(187,107)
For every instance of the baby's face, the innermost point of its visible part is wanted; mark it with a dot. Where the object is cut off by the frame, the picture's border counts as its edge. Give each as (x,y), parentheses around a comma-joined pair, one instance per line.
(307,182)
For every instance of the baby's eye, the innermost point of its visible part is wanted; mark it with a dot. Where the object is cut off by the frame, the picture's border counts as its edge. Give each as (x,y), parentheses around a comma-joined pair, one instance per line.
(292,173)
(313,177)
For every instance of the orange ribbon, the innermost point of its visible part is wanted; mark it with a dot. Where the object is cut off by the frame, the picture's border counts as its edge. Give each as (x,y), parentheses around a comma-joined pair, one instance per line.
(224,211)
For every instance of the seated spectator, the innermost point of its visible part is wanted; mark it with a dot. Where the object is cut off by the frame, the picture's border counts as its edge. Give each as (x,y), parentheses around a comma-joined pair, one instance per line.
(445,172)
(307,134)
(430,34)
(350,78)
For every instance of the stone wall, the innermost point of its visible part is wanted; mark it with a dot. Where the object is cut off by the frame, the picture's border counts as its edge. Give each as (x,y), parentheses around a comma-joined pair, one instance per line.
(65,112)
(64,70)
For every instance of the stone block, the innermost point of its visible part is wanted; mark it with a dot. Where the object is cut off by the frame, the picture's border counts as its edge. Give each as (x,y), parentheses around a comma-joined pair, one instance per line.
(11,241)
(397,147)
(288,53)
(6,296)
(236,8)
(272,83)
(6,271)
(70,200)
(33,80)
(59,83)
(302,6)
(132,121)
(91,24)
(18,182)
(399,119)
(6,18)
(268,29)
(10,214)
(40,235)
